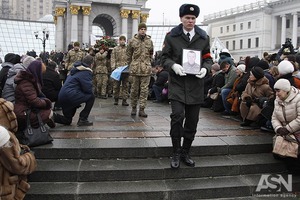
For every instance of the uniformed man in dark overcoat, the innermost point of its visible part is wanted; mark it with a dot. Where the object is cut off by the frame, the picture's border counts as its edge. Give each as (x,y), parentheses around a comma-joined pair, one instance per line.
(186,91)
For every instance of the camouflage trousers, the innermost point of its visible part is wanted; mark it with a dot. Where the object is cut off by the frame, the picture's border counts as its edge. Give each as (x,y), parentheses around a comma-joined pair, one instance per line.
(121,88)
(101,84)
(139,91)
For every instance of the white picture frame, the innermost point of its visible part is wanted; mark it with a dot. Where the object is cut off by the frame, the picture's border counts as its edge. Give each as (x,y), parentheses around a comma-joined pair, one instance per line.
(191,61)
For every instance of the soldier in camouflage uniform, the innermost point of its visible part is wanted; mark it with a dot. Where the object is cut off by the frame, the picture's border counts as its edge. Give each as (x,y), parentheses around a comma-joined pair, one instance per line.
(73,55)
(100,71)
(139,55)
(118,58)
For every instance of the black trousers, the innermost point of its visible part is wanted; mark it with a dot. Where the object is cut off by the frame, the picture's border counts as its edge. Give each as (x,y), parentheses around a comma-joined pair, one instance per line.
(184,120)
(70,110)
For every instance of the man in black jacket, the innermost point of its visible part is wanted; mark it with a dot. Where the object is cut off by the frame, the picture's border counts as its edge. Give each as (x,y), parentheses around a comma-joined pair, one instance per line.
(159,84)
(186,91)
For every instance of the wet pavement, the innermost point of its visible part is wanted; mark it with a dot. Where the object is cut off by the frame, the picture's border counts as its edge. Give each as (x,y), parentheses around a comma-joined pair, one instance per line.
(115,121)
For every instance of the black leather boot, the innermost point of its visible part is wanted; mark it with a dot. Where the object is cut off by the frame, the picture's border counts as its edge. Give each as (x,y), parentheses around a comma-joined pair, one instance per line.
(116,101)
(185,156)
(175,160)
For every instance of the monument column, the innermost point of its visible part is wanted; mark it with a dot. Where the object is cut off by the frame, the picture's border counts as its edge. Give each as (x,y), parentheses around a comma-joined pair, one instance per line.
(74,23)
(295,27)
(283,28)
(124,14)
(144,17)
(59,37)
(135,21)
(86,10)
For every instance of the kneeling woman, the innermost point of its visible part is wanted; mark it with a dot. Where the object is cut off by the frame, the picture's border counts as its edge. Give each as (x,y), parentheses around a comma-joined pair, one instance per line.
(28,95)
(257,88)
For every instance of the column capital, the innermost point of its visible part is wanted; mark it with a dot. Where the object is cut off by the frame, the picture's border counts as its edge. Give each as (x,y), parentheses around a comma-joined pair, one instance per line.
(59,11)
(55,19)
(86,10)
(74,9)
(282,15)
(124,13)
(144,17)
(294,13)
(135,14)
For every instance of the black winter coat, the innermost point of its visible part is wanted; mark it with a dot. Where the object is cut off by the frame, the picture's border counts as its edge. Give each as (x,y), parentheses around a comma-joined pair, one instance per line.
(52,84)
(186,89)
(162,78)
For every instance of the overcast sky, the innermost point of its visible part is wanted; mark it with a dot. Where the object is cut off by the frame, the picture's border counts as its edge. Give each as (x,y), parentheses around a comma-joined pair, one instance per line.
(168,10)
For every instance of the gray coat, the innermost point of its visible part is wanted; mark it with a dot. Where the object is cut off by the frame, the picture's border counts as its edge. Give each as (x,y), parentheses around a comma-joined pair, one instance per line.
(186,89)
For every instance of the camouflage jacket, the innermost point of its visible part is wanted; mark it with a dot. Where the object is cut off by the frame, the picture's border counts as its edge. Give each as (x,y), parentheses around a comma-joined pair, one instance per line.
(73,56)
(118,57)
(139,55)
(100,66)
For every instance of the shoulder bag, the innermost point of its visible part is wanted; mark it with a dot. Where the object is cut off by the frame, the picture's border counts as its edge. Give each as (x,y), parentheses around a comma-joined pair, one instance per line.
(35,136)
(286,146)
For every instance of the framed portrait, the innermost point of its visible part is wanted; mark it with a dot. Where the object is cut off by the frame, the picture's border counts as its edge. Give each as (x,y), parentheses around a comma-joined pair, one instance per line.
(191,61)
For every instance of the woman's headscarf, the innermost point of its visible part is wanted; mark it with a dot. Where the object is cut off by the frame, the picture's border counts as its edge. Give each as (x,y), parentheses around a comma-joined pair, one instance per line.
(35,68)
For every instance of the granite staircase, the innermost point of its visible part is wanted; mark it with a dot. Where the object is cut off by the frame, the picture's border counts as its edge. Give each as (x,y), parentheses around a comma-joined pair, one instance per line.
(228,167)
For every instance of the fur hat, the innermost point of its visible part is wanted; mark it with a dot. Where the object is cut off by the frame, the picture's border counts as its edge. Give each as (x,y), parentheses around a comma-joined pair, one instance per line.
(88,60)
(215,67)
(142,25)
(27,60)
(189,9)
(283,84)
(258,72)
(285,67)
(241,67)
(4,136)
(10,57)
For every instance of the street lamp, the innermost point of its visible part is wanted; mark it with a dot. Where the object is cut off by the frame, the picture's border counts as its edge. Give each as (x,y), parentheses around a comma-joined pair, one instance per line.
(45,37)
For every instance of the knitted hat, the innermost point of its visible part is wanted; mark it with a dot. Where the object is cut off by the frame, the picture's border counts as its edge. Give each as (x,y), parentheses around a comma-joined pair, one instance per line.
(76,44)
(251,62)
(285,67)
(10,57)
(4,136)
(27,60)
(122,37)
(257,72)
(241,67)
(263,64)
(88,60)
(142,25)
(215,67)
(189,9)
(283,84)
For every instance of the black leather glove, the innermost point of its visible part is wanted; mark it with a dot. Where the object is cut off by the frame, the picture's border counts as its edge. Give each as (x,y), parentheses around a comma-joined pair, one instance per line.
(282,131)
(248,102)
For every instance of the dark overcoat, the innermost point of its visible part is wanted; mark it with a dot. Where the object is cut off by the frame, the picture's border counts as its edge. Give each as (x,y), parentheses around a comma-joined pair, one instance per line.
(78,87)
(186,89)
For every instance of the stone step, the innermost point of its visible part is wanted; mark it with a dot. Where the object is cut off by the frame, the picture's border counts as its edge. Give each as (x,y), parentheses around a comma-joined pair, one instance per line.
(87,148)
(153,168)
(169,189)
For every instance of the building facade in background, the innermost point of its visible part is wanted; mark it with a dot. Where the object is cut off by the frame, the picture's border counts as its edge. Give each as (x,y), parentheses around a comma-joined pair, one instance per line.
(252,29)
(31,10)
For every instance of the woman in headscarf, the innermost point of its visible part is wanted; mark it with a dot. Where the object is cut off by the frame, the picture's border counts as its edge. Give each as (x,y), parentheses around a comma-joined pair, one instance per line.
(28,95)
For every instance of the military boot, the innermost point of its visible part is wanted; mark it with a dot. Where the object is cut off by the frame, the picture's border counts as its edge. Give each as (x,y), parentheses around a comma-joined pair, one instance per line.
(116,101)
(124,103)
(133,111)
(185,156)
(142,113)
(175,159)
